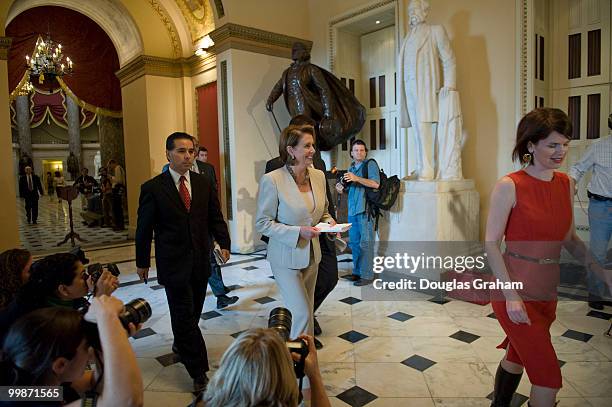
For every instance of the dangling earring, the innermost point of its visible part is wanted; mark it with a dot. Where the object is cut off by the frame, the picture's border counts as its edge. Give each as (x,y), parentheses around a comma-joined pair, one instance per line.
(292,160)
(527,157)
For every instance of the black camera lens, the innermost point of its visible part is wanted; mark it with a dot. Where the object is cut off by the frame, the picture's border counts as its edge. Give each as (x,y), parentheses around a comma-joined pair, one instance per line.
(280,321)
(136,311)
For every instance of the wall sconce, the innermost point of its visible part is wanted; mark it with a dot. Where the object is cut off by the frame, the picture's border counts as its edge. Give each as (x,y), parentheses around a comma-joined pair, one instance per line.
(205,44)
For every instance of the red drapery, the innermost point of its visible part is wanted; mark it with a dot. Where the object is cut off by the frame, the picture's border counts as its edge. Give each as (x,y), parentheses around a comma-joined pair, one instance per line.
(95,58)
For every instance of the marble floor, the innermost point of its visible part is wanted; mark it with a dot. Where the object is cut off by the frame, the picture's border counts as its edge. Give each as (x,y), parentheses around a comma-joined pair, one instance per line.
(376,353)
(53,225)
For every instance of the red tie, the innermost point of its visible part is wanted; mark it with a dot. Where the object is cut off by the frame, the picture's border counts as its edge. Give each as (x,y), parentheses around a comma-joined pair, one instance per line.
(184,193)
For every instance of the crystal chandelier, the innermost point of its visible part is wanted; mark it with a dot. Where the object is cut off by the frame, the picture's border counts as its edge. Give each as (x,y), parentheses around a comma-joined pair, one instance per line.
(48,60)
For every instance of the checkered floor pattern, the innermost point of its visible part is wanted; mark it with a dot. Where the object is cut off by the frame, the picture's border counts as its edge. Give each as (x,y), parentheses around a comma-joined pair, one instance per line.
(54,223)
(426,352)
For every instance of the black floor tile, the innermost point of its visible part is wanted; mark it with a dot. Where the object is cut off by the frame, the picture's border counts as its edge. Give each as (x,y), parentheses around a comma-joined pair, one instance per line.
(210,315)
(356,396)
(264,300)
(350,300)
(464,336)
(237,334)
(353,336)
(600,315)
(168,359)
(579,336)
(517,400)
(143,333)
(418,362)
(400,316)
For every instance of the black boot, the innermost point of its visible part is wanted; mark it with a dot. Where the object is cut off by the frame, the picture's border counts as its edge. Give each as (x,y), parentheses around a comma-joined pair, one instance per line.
(506,384)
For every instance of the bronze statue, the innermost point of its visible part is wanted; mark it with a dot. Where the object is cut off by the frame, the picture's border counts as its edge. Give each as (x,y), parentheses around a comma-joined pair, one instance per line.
(315,92)
(73,165)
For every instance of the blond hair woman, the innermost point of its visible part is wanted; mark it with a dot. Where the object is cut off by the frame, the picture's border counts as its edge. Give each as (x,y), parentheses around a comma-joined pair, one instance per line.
(257,370)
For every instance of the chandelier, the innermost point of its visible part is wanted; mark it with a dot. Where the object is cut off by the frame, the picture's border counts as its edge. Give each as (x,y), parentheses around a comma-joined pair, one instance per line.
(48,60)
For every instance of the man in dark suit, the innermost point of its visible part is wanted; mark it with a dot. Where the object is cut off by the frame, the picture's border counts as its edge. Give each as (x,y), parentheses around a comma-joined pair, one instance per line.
(218,287)
(30,189)
(182,208)
(327,277)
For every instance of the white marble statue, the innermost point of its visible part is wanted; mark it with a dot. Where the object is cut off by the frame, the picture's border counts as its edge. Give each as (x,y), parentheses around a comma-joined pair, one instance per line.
(429,104)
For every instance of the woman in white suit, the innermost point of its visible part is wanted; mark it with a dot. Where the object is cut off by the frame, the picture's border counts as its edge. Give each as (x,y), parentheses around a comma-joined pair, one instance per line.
(291,201)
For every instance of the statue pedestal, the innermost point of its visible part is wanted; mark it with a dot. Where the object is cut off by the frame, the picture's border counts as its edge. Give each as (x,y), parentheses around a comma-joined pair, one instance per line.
(433,211)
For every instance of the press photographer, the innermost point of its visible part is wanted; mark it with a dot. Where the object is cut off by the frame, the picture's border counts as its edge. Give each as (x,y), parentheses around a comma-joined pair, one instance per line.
(58,280)
(259,370)
(50,346)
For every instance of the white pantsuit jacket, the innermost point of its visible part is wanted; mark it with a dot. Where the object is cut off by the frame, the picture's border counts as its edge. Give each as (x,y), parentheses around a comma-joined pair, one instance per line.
(281,211)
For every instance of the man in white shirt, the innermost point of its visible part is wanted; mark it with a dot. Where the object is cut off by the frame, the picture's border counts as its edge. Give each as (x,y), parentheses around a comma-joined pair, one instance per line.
(183,210)
(598,158)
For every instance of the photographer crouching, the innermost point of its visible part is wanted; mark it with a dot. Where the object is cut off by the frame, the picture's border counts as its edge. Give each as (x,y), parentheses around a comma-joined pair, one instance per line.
(52,345)
(261,366)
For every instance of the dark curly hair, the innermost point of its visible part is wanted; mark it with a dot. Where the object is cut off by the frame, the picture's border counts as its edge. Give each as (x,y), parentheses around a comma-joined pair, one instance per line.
(48,274)
(35,341)
(12,263)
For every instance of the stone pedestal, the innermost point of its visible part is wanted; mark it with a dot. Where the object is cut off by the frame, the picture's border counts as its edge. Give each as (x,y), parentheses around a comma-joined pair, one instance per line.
(433,211)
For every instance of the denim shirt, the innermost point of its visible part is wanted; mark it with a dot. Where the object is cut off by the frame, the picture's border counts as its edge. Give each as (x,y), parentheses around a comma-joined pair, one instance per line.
(356,191)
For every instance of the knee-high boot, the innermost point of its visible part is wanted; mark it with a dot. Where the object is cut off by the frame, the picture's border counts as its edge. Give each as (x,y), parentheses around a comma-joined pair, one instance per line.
(506,384)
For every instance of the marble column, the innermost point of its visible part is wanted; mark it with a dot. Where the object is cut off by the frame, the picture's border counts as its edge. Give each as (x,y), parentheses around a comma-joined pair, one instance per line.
(111,139)
(23,124)
(9,237)
(73,118)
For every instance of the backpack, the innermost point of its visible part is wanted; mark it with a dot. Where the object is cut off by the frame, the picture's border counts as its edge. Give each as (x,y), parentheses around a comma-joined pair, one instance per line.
(383,198)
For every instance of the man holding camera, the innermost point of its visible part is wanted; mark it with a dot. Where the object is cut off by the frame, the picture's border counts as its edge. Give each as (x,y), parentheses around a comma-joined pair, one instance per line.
(361,234)
(182,208)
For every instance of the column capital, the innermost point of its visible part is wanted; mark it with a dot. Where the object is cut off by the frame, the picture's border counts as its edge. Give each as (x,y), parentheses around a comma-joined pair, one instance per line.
(5,45)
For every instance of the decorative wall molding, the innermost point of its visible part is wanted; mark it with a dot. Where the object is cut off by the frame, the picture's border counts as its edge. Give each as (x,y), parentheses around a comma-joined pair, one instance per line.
(525,33)
(227,175)
(5,45)
(177,50)
(235,36)
(166,67)
(220,9)
(340,20)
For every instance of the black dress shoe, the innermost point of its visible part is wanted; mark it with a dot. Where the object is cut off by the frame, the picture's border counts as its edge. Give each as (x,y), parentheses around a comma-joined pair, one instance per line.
(317,328)
(318,344)
(598,305)
(223,301)
(351,277)
(226,289)
(200,383)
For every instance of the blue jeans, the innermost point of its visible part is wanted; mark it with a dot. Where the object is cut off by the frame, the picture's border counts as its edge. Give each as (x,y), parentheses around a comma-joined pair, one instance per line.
(600,225)
(361,240)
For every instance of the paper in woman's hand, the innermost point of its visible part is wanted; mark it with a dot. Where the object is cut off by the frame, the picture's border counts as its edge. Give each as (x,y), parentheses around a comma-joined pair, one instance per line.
(337,228)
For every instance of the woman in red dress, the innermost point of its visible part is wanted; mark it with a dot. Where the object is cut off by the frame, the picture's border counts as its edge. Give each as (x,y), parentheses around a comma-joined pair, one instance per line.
(531,210)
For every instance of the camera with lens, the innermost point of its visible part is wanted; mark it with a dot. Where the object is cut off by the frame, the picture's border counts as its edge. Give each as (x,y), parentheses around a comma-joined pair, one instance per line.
(340,177)
(95,271)
(280,321)
(137,311)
